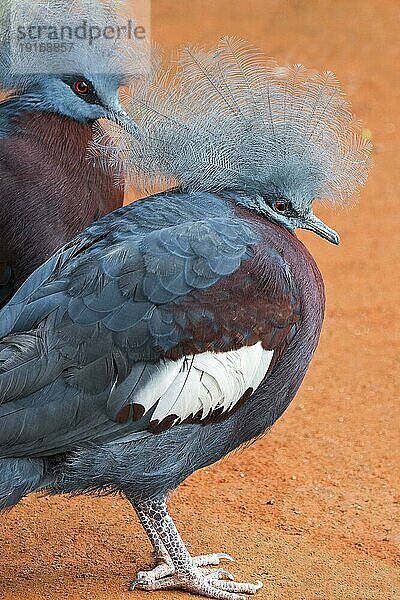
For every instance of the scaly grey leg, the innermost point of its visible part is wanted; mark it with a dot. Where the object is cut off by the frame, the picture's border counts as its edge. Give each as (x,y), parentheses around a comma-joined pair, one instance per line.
(180,570)
(164,565)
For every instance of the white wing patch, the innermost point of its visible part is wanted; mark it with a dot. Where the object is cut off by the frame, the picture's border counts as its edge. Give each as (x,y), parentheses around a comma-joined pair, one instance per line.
(200,384)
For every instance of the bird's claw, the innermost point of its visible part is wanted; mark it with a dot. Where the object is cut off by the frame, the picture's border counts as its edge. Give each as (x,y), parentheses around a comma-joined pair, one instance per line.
(224,574)
(224,556)
(134,583)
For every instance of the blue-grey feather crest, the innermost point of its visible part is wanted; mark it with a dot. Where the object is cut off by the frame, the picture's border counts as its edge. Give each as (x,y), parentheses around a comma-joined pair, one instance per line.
(231,118)
(19,69)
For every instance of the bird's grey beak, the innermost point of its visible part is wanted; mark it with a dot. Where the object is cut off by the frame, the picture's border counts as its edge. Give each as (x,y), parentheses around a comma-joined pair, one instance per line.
(314,224)
(121,118)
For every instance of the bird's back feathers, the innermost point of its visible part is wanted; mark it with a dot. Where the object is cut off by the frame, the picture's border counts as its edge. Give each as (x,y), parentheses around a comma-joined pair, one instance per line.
(77,335)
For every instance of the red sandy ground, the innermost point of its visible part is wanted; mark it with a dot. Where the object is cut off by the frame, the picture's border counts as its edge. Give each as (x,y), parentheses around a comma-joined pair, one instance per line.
(313,508)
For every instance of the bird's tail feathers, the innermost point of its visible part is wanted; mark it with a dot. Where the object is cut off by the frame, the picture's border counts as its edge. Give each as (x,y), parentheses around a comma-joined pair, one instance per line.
(19,477)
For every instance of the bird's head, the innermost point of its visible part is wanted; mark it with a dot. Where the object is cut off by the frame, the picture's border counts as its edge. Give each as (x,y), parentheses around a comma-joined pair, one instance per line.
(78,75)
(292,215)
(83,97)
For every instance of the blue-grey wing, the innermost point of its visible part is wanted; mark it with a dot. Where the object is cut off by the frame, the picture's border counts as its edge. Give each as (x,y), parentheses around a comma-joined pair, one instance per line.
(83,320)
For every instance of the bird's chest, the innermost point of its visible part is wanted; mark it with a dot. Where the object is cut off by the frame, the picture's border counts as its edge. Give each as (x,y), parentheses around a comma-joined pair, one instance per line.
(51,183)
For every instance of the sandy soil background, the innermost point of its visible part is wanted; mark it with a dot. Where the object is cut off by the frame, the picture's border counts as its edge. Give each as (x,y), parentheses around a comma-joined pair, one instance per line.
(313,508)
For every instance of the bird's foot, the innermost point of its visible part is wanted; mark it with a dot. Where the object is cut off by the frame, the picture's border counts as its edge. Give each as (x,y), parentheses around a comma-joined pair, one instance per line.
(165,568)
(204,582)
(176,568)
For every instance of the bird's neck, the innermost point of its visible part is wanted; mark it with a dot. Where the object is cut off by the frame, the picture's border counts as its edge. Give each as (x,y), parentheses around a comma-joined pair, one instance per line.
(61,145)
(51,183)
(11,109)
(20,117)
(58,134)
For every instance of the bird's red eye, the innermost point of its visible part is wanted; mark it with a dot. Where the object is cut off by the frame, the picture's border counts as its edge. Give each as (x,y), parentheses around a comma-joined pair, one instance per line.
(280,205)
(81,87)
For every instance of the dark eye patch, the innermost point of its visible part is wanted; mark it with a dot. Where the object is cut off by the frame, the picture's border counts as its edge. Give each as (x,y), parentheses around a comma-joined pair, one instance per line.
(280,204)
(83,88)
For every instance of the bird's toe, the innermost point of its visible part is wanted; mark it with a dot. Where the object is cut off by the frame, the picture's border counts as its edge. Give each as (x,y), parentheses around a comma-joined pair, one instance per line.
(144,578)
(241,588)
(210,583)
(208,560)
(165,568)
